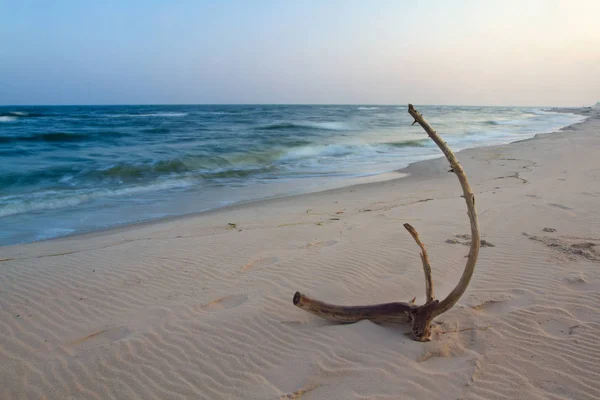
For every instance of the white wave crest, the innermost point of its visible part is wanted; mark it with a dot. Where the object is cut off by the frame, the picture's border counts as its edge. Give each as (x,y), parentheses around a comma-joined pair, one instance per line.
(49,233)
(49,200)
(159,114)
(539,111)
(333,126)
(328,126)
(6,118)
(331,150)
(212,113)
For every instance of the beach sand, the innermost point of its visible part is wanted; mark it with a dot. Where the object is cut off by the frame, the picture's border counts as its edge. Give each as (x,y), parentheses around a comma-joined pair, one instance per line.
(201,306)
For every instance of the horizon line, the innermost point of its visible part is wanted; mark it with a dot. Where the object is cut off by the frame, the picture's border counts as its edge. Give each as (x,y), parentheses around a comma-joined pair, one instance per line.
(281,104)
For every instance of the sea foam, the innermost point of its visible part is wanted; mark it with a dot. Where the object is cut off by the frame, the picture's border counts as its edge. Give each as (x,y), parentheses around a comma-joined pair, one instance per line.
(12,205)
(328,126)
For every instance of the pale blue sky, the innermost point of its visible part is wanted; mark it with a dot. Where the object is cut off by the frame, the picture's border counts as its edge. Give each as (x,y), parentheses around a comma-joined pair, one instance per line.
(523,52)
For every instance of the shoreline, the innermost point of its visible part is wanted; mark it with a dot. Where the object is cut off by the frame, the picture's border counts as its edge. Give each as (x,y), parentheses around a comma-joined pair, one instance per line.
(406,172)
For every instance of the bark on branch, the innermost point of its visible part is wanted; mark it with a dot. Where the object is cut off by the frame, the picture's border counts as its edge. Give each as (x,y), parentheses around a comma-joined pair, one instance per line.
(419,317)
(425,260)
(469,197)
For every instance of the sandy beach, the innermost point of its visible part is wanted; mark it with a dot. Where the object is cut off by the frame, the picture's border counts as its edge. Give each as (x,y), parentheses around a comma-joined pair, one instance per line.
(201,306)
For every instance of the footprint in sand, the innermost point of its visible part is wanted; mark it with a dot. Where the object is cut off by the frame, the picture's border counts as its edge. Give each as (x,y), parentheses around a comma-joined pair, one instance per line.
(593,194)
(584,245)
(575,278)
(300,392)
(467,241)
(105,335)
(493,307)
(560,206)
(572,247)
(225,303)
(318,244)
(500,303)
(555,325)
(259,263)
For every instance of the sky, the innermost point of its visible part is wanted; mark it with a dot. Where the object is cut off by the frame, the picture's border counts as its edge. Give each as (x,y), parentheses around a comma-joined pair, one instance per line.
(461,52)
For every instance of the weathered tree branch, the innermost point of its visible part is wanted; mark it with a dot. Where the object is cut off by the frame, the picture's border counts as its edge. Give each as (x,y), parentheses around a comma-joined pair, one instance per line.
(419,317)
(387,312)
(426,266)
(458,291)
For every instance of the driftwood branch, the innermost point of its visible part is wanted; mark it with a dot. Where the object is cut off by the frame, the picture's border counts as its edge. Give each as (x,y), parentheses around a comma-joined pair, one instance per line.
(425,260)
(419,317)
(387,312)
(469,197)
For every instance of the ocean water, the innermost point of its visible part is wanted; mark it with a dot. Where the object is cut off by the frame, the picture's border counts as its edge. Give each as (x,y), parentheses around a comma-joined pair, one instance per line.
(72,169)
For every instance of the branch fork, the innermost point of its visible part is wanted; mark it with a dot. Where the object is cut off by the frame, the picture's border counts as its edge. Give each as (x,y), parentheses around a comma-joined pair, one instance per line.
(418,316)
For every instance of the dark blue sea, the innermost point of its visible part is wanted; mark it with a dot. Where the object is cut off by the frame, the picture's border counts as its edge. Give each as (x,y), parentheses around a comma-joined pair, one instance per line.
(69,169)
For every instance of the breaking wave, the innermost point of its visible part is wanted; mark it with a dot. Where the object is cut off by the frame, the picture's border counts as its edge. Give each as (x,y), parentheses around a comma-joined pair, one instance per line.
(18,114)
(326,126)
(52,200)
(158,114)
